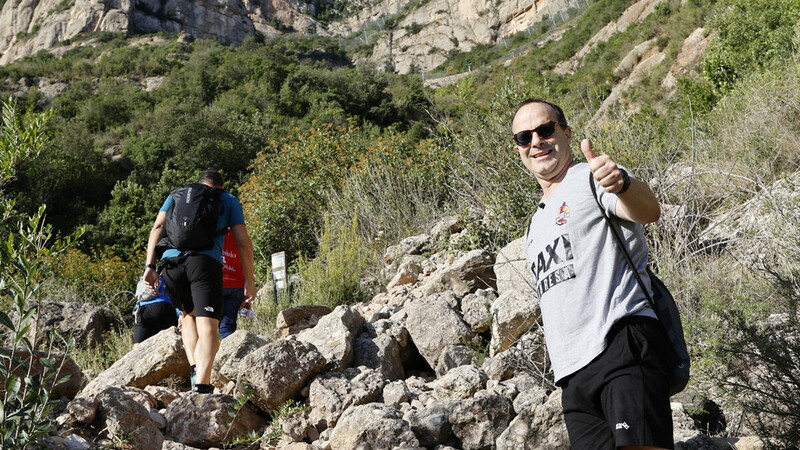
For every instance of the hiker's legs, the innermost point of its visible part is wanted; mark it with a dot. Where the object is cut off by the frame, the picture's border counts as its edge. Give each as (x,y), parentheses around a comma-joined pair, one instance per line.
(233,298)
(205,276)
(621,394)
(189,335)
(206,347)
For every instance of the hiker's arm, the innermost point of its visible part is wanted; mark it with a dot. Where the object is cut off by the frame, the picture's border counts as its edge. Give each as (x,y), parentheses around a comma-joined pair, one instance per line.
(150,276)
(638,203)
(245,247)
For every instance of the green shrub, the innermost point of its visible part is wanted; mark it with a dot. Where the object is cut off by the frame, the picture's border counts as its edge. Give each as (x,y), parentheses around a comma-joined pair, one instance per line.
(750,35)
(333,277)
(26,394)
(287,409)
(102,278)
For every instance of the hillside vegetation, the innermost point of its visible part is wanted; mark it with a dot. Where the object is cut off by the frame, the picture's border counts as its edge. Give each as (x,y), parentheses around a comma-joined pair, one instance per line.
(334,162)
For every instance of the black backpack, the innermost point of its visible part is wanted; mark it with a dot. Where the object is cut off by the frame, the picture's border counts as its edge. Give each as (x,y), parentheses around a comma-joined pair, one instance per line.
(191,222)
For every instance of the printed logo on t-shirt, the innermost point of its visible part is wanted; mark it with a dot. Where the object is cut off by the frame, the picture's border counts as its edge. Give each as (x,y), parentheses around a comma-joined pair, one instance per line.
(555,259)
(622,425)
(209,308)
(563,214)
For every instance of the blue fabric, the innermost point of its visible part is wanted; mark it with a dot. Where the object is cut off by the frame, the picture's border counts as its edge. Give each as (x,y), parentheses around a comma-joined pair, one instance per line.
(162,296)
(233,298)
(232,215)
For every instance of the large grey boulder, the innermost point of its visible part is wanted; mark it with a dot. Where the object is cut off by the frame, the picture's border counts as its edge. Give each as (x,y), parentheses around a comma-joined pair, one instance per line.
(373,425)
(333,337)
(278,371)
(476,307)
(512,271)
(454,356)
(398,332)
(433,324)
(331,394)
(537,426)
(65,365)
(468,273)
(230,354)
(203,420)
(126,420)
(378,351)
(479,421)
(459,383)
(513,314)
(431,424)
(83,321)
(151,361)
(294,320)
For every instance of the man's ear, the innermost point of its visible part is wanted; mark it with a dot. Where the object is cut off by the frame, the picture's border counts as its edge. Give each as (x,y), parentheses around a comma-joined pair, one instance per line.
(568,132)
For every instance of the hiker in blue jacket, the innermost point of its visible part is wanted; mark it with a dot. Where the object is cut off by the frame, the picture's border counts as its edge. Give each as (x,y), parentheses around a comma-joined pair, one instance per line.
(153,312)
(609,353)
(193,279)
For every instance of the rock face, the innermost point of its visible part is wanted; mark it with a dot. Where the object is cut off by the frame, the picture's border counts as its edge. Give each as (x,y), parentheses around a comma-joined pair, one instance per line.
(425,35)
(422,38)
(636,12)
(149,363)
(27,26)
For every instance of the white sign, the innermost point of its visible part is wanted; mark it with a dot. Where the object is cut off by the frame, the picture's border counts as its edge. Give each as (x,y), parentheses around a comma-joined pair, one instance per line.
(279,272)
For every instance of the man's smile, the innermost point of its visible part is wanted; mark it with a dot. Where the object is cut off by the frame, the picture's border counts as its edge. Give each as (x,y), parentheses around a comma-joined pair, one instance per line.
(541,154)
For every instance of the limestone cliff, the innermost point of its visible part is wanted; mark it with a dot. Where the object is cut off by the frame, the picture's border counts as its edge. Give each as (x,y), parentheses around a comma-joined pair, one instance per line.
(425,35)
(421,33)
(28,26)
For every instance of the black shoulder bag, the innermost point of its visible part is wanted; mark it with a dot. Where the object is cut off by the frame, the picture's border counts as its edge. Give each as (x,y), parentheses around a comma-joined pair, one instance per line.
(664,306)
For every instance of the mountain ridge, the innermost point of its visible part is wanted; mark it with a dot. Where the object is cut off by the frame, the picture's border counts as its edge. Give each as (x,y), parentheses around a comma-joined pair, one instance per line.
(409,34)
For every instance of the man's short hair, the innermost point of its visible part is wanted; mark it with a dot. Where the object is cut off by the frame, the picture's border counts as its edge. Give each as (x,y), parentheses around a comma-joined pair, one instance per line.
(560,117)
(211,177)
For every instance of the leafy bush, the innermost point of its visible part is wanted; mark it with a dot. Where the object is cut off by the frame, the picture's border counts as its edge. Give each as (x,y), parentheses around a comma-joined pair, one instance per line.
(751,34)
(26,391)
(287,193)
(333,277)
(26,395)
(103,278)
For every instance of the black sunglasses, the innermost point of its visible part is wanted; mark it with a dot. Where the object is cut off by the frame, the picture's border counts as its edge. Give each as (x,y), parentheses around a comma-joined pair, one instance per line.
(545,130)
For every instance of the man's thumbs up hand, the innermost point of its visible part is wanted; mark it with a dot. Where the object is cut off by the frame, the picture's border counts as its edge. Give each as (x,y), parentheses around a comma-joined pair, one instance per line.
(603,168)
(586,148)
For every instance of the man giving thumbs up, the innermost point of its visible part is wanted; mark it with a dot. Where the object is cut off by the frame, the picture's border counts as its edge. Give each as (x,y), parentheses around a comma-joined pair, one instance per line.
(609,353)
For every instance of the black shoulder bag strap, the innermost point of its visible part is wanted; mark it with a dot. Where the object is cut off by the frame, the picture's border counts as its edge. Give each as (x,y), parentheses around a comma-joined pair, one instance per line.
(621,244)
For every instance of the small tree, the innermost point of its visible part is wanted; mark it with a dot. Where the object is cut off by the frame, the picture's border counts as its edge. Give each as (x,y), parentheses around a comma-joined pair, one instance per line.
(26,393)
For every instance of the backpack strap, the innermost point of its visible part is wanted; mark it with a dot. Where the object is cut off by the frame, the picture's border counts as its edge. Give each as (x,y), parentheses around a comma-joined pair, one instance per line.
(620,243)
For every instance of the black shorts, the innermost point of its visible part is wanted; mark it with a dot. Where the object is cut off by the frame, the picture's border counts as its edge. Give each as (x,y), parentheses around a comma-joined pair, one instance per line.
(152,318)
(194,284)
(621,397)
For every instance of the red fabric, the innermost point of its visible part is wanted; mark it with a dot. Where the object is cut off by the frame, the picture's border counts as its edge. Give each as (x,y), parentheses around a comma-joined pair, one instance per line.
(232,276)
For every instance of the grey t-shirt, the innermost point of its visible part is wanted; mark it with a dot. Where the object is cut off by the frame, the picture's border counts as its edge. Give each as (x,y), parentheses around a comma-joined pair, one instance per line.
(585,284)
